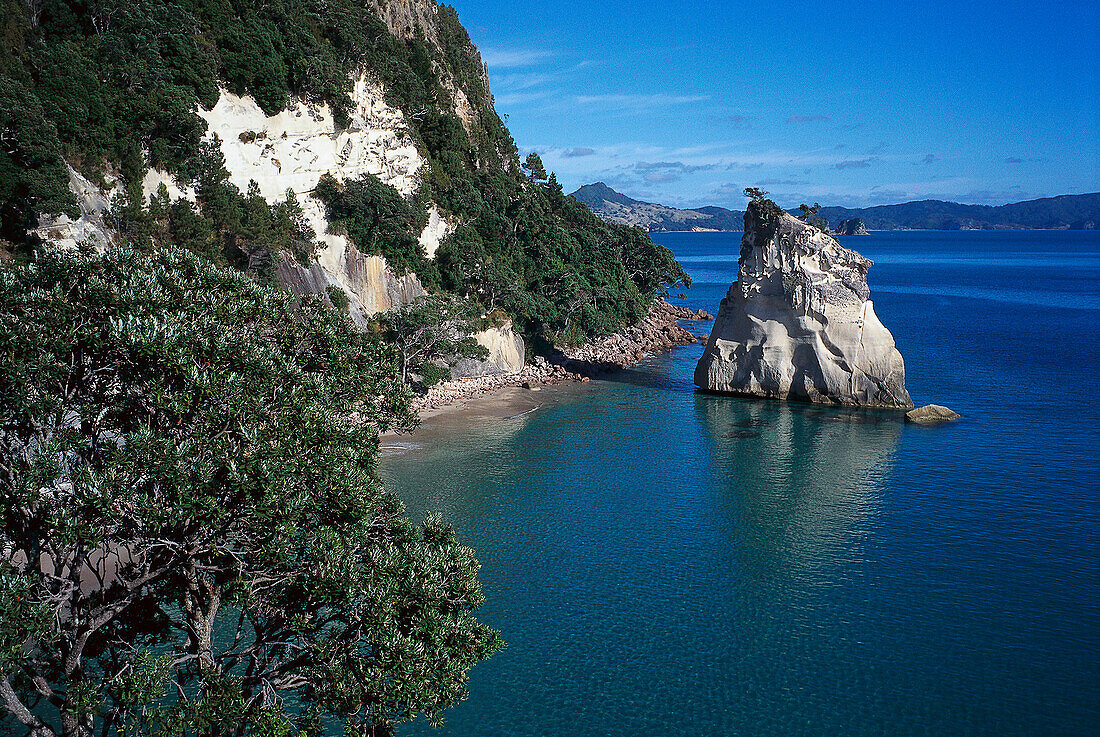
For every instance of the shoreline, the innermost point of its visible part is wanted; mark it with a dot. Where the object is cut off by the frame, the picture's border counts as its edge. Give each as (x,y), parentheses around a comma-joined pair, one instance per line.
(657,332)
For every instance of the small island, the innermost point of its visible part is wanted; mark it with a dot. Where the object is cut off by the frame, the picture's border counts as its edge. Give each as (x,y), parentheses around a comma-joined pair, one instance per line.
(798,323)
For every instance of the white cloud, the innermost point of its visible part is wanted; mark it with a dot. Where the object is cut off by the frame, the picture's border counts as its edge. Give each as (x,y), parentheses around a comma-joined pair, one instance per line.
(620,102)
(511,58)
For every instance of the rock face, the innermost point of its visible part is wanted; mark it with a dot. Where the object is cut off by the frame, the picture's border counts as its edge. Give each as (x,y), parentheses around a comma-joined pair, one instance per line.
(91,227)
(852,226)
(932,414)
(507,354)
(798,324)
(293,149)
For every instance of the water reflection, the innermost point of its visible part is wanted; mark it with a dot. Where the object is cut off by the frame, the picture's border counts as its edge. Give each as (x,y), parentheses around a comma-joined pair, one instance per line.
(798,484)
(463,462)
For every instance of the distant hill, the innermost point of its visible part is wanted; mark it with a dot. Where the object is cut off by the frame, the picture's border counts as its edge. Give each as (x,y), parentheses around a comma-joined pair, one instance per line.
(1072,212)
(618,208)
(1066,212)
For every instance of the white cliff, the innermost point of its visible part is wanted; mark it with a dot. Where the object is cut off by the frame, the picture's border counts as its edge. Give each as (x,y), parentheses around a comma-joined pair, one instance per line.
(91,227)
(507,354)
(435,232)
(293,149)
(798,323)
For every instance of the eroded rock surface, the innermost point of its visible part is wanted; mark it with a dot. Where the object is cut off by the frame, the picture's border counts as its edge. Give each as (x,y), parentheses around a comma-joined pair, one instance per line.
(507,354)
(90,228)
(798,323)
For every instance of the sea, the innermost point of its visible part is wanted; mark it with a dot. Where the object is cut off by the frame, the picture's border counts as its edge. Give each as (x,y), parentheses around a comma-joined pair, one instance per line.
(662,562)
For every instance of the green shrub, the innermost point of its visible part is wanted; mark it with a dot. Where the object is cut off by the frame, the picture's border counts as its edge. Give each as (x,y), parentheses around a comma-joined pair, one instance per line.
(224,435)
(338,297)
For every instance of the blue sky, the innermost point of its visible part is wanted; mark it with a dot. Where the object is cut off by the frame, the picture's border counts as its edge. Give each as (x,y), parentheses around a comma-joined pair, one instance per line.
(687,103)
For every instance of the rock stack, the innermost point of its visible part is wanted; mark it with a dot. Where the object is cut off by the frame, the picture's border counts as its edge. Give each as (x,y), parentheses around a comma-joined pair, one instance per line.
(798,323)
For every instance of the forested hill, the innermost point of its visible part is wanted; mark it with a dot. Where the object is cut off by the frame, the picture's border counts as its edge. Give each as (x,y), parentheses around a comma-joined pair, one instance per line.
(1073,212)
(618,208)
(102,100)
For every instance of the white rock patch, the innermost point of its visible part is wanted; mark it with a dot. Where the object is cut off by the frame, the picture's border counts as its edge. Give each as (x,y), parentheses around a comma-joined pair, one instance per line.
(435,232)
(507,354)
(156,177)
(91,226)
(296,147)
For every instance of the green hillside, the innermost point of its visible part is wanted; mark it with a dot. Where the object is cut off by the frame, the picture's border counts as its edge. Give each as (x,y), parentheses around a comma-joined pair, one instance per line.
(111,87)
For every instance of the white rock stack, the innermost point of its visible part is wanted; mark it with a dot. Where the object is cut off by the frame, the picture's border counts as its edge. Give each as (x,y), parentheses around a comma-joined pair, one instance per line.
(798,324)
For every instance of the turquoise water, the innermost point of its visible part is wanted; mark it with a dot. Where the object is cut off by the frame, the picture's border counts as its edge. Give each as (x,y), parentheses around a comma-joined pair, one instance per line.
(666,563)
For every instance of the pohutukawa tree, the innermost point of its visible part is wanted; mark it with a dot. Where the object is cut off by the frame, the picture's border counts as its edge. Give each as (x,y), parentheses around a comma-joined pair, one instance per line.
(194,538)
(431,334)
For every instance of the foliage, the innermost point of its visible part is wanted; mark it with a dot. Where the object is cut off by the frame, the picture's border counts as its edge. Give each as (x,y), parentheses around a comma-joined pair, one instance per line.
(761,205)
(534,167)
(33,178)
(809,215)
(379,220)
(432,332)
(338,297)
(195,541)
(544,258)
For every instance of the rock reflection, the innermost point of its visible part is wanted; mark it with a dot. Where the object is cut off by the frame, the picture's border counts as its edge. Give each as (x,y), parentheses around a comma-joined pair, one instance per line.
(799,484)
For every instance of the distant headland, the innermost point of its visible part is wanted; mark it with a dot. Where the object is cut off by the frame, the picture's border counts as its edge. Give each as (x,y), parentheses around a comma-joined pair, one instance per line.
(1066,212)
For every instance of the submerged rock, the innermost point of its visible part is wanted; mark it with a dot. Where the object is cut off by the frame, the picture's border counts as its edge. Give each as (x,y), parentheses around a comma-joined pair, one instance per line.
(798,323)
(932,414)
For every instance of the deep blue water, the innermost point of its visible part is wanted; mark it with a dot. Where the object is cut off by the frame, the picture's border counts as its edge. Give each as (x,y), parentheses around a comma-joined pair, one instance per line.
(666,563)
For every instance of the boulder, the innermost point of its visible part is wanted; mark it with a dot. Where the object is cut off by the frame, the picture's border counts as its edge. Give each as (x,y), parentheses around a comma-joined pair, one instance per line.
(506,354)
(798,322)
(931,414)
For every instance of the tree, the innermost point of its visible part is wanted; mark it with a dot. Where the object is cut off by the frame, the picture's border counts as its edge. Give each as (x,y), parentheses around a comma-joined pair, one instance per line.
(810,217)
(755,194)
(534,167)
(435,329)
(194,539)
(378,219)
(33,178)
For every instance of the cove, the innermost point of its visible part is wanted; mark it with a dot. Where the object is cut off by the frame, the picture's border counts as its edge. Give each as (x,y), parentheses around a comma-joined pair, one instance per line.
(662,562)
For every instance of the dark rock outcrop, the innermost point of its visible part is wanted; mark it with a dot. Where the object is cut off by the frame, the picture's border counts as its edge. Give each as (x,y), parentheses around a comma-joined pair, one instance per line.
(852,226)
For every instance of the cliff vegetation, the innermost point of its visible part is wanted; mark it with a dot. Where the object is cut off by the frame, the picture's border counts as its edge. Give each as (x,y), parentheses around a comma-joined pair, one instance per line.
(112,87)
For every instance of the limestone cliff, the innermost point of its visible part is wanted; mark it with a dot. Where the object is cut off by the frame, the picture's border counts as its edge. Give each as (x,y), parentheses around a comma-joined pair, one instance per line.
(294,149)
(330,98)
(798,323)
(90,227)
(507,354)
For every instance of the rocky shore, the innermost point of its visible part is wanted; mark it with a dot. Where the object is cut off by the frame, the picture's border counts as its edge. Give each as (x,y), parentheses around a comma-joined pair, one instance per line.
(658,331)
